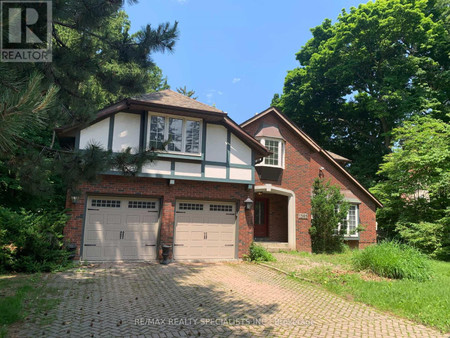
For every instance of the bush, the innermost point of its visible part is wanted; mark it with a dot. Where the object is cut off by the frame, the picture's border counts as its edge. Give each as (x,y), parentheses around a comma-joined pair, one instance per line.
(260,254)
(393,260)
(31,242)
(326,217)
(425,236)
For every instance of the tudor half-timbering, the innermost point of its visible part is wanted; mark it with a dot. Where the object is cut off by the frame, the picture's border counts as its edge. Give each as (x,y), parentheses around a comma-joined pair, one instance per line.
(192,196)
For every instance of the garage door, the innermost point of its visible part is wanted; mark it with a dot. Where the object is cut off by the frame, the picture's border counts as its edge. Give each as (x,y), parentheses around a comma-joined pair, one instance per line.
(120,228)
(205,230)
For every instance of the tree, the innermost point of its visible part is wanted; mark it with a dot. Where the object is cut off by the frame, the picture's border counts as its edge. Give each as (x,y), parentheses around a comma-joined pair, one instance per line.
(361,76)
(96,61)
(328,209)
(24,108)
(188,93)
(416,193)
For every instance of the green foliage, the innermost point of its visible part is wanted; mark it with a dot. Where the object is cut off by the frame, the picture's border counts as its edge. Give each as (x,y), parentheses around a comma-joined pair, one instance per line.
(416,190)
(186,92)
(325,218)
(31,242)
(425,236)
(25,108)
(393,260)
(361,76)
(96,61)
(260,254)
(85,165)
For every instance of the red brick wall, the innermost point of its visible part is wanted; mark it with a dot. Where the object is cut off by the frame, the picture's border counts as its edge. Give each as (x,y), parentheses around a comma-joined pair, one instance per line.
(302,165)
(155,187)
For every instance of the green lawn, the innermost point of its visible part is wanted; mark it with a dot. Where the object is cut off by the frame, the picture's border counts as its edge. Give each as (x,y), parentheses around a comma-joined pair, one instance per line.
(425,302)
(20,295)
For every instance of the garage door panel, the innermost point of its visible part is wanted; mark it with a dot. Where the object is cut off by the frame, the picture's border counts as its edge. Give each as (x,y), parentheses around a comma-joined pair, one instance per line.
(140,236)
(204,231)
(188,252)
(183,235)
(133,219)
(227,237)
(113,219)
(111,253)
(214,235)
(95,218)
(147,252)
(116,231)
(100,236)
(150,219)
(93,251)
(129,251)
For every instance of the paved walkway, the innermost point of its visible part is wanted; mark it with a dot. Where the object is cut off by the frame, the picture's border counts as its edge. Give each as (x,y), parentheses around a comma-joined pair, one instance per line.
(225,299)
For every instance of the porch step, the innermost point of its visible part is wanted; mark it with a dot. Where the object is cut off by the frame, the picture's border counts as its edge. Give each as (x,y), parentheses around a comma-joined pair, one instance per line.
(274,246)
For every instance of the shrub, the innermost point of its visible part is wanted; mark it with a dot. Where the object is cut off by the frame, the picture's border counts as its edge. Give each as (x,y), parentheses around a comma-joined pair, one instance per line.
(260,254)
(393,260)
(31,242)
(425,236)
(326,217)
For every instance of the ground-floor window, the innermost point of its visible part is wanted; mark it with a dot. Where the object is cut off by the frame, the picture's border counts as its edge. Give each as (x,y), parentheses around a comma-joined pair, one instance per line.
(349,226)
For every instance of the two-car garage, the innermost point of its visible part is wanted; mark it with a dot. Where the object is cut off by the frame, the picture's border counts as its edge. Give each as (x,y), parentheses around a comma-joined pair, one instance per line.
(126,228)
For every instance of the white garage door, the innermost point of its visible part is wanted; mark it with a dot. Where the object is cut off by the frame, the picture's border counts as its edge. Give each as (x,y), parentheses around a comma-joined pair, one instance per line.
(205,230)
(120,228)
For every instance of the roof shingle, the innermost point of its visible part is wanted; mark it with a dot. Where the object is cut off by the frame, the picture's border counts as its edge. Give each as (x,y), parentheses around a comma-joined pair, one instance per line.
(171,98)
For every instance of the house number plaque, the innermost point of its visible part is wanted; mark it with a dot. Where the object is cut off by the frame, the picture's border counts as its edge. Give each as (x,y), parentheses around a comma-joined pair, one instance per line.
(302,216)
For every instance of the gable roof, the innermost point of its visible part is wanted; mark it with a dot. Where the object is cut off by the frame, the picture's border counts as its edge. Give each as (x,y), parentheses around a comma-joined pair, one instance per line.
(168,97)
(312,144)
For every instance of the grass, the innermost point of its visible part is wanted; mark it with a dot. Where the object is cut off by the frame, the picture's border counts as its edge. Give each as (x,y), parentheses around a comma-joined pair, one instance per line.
(19,296)
(426,302)
(393,260)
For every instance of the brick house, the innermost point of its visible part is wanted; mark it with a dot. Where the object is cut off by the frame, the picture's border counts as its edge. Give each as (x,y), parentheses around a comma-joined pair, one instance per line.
(283,185)
(193,195)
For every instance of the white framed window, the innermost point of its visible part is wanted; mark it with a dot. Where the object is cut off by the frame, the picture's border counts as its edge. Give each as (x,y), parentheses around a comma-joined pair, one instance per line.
(184,134)
(349,225)
(276,159)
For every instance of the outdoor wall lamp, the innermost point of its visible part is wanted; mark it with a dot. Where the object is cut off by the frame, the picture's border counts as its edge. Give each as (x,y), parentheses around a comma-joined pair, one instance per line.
(321,174)
(74,199)
(248,203)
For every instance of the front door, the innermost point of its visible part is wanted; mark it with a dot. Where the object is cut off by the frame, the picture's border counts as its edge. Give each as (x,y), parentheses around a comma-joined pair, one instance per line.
(261,219)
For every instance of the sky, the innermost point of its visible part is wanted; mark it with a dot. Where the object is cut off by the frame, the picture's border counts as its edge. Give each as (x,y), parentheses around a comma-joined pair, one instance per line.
(234,54)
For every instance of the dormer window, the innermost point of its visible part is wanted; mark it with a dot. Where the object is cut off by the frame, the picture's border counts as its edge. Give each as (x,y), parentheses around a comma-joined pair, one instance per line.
(276,147)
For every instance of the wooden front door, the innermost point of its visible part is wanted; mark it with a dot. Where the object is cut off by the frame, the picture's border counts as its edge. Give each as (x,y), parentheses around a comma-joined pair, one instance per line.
(261,217)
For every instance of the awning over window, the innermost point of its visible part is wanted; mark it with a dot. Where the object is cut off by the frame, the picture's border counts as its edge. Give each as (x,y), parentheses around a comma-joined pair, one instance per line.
(350,197)
(269,131)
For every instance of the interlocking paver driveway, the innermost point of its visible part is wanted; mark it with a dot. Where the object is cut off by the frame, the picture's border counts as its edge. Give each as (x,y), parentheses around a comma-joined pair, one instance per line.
(224,299)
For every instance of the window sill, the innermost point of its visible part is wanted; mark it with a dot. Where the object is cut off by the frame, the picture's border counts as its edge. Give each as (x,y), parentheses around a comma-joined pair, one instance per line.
(351,238)
(268,166)
(185,156)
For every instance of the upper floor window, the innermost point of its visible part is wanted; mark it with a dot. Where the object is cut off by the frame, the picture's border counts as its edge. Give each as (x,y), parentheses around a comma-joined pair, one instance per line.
(276,146)
(183,134)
